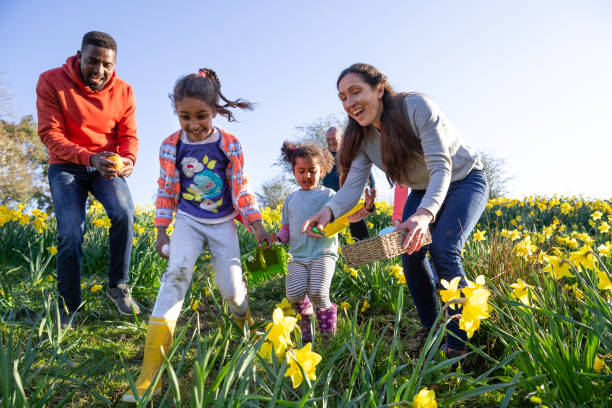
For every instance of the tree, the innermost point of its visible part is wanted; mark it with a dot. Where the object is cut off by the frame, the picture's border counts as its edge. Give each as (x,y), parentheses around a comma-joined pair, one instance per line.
(496,174)
(23,161)
(274,191)
(314,132)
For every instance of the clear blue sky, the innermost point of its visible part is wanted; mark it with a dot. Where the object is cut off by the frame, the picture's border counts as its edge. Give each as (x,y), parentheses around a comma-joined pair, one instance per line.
(526,81)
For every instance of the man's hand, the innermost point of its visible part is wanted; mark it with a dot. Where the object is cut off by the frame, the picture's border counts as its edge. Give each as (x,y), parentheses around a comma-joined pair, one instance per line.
(105,167)
(128,167)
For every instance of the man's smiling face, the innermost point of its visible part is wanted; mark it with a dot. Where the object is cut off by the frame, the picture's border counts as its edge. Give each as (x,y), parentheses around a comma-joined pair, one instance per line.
(97,65)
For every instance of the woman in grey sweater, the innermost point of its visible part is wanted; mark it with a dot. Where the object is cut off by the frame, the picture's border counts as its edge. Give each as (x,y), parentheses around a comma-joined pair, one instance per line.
(409,138)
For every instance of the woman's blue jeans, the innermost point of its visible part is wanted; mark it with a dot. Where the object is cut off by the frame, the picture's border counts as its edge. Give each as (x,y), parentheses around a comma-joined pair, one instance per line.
(69,184)
(464,204)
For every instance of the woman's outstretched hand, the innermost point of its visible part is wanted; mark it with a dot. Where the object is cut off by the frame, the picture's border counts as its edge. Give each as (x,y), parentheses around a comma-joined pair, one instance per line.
(320,219)
(416,225)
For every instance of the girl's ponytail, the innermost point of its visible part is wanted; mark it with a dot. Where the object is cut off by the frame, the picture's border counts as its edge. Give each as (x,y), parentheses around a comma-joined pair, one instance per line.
(205,85)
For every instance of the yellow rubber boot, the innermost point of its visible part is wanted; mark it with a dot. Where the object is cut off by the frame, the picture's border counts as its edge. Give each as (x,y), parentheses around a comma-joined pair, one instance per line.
(248,319)
(159,338)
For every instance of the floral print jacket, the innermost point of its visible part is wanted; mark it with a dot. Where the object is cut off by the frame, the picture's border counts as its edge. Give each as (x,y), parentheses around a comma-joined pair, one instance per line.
(169,186)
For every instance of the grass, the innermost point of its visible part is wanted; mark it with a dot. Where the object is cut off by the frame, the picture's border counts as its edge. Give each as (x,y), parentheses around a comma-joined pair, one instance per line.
(533,356)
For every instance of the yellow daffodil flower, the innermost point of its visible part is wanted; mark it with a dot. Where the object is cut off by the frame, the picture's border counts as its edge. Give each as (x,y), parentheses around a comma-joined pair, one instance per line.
(345,305)
(425,399)
(557,267)
(95,288)
(450,291)
(52,250)
(583,257)
(365,306)
(520,289)
(603,281)
(286,307)
(599,364)
(305,358)
(604,249)
(475,309)
(280,331)
(479,235)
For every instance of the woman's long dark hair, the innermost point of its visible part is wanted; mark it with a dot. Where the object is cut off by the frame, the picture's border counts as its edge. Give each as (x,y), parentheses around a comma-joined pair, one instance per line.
(400,147)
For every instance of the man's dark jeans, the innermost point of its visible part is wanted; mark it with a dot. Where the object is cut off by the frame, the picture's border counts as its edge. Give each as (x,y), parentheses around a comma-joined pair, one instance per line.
(464,204)
(69,185)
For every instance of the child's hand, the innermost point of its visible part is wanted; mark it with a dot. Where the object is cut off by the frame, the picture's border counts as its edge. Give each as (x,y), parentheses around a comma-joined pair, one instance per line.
(275,238)
(162,239)
(261,234)
(370,196)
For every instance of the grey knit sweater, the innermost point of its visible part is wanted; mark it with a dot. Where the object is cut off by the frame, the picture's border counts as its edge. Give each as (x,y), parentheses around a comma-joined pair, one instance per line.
(447,158)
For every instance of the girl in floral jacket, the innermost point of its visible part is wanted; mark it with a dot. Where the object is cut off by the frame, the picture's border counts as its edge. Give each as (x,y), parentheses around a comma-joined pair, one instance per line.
(202,180)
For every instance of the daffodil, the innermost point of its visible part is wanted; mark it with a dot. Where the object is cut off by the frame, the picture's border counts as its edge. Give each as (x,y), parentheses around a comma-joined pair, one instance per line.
(425,399)
(95,288)
(280,331)
(599,364)
(604,249)
(603,281)
(557,267)
(286,307)
(305,358)
(345,305)
(450,291)
(596,215)
(521,290)
(52,250)
(604,227)
(365,306)
(266,350)
(479,236)
(583,256)
(475,308)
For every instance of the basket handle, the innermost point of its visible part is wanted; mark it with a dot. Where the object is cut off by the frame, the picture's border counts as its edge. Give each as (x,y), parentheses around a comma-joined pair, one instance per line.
(260,254)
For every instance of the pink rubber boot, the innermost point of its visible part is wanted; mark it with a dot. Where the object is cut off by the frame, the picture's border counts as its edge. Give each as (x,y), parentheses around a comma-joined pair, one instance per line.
(304,308)
(328,320)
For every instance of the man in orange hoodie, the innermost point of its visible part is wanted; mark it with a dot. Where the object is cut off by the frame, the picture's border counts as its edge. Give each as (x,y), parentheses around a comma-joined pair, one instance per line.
(87,121)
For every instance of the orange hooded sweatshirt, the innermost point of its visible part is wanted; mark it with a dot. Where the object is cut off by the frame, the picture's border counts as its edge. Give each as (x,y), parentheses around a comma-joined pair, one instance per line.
(76,122)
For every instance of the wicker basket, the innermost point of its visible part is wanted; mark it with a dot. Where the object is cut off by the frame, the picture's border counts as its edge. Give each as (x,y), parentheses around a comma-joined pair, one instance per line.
(375,249)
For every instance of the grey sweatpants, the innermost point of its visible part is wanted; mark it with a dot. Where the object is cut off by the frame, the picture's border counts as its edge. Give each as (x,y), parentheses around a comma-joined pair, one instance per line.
(188,240)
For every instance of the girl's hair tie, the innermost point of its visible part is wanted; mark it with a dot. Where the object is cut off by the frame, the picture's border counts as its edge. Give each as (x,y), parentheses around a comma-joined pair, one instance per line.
(293,148)
(202,73)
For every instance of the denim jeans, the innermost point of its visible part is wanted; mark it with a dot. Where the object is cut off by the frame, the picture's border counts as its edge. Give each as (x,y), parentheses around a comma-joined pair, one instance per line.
(69,184)
(464,203)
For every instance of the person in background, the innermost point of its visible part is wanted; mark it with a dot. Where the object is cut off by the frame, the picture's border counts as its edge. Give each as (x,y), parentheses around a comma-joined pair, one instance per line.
(400,194)
(359,229)
(87,122)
